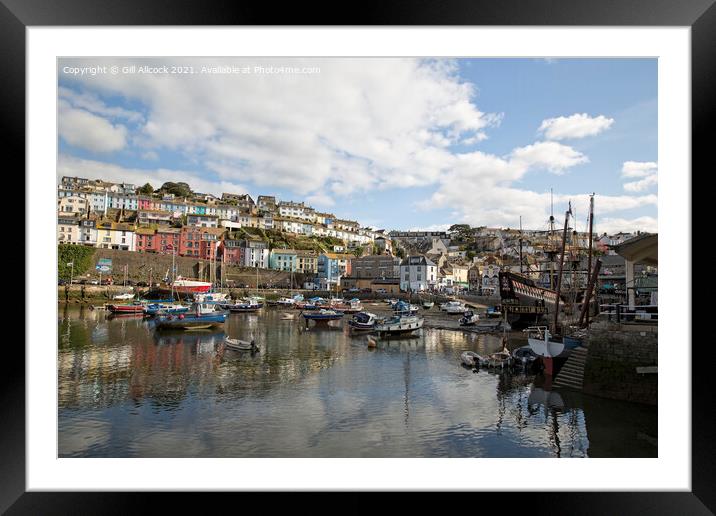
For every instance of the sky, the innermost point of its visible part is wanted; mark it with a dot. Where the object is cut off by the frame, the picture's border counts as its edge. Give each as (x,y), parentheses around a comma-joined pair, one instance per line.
(394,143)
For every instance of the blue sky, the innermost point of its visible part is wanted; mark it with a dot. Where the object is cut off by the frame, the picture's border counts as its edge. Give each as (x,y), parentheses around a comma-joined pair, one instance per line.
(392,143)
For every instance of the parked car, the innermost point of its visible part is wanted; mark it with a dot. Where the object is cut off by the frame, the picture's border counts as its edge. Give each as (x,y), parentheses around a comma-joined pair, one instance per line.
(92,282)
(104,282)
(354,289)
(62,282)
(142,284)
(381,291)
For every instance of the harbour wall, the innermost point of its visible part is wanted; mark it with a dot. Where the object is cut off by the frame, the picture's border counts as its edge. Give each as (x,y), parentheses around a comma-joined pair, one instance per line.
(139,265)
(615,352)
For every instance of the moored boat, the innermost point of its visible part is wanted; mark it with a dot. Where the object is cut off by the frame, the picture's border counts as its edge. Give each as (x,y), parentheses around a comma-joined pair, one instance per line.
(453,307)
(472,359)
(469,318)
(428,304)
(323,315)
(126,309)
(363,321)
(162,308)
(126,296)
(200,316)
(241,345)
(399,324)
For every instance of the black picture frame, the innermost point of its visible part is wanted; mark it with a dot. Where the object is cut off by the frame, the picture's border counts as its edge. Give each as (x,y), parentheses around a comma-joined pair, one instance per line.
(700,15)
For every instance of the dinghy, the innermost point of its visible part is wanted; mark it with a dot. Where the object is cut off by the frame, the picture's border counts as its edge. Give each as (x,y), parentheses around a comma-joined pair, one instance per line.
(241,345)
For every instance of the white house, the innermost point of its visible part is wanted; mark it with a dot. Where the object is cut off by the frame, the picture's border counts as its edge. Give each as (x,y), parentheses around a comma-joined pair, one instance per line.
(417,274)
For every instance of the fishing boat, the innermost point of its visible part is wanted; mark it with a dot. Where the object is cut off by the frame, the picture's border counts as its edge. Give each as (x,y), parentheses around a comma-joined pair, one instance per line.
(363,321)
(399,324)
(137,308)
(162,308)
(201,316)
(469,318)
(245,305)
(125,296)
(241,345)
(472,359)
(286,302)
(323,315)
(428,304)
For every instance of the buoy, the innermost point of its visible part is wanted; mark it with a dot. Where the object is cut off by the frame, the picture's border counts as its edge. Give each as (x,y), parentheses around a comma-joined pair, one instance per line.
(181,316)
(371,342)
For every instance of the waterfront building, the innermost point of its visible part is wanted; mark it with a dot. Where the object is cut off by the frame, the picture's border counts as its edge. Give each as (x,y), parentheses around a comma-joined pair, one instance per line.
(199,242)
(332,267)
(168,240)
(73,183)
(490,279)
(375,266)
(306,262)
(418,274)
(116,235)
(474,279)
(146,240)
(283,259)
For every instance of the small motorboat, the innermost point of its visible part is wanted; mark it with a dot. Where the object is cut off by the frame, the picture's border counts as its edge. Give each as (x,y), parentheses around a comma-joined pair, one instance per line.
(251,304)
(241,345)
(523,357)
(469,318)
(323,315)
(363,321)
(126,309)
(126,296)
(453,307)
(472,359)
(493,312)
(501,359)
(427,305)
(163,309)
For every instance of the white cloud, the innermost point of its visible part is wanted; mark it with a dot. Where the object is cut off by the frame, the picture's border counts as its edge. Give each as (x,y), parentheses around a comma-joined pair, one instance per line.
(92,103)
(578,125)
(645,171)
(552,156)
(85,130)
(639,168)
(615,225)
(642,184)
(359,124)
(320,200)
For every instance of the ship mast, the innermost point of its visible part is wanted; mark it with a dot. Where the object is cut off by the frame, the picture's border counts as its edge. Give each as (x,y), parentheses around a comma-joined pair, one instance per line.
(561,267)
(521,268)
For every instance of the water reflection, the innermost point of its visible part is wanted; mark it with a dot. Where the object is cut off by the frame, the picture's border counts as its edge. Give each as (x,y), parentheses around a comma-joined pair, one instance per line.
(126,390)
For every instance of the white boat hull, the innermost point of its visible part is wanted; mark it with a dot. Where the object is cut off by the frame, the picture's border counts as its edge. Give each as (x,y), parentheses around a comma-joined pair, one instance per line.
(546,348)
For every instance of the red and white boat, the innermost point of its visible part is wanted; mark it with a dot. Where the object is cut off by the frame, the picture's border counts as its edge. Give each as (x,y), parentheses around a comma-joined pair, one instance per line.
(187,286)
(126,309)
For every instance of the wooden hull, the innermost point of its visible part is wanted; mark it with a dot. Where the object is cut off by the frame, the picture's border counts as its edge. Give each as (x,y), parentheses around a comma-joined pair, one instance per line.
(126,309)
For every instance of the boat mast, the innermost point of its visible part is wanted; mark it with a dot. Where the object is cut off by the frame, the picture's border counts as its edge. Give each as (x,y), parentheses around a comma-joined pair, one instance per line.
(561,267)
(521,268)
(589,256)
(551,240)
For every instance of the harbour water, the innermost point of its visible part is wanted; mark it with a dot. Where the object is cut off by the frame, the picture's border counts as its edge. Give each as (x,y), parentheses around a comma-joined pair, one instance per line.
(126,390)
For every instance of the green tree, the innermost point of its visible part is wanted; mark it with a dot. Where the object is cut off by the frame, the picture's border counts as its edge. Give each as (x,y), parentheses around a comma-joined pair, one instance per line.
(178,189)
(79,255)
(358,251)
(147,189)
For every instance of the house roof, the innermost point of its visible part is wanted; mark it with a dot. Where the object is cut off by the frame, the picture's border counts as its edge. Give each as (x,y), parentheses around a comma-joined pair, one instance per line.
(643,249)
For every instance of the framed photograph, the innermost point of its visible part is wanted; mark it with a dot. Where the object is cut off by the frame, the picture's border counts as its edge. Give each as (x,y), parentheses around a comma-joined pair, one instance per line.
(418,252)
